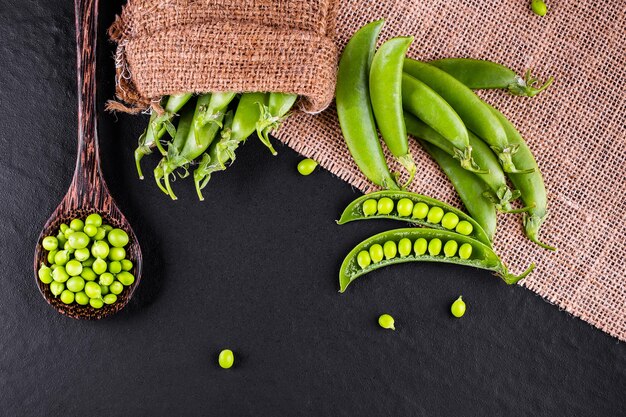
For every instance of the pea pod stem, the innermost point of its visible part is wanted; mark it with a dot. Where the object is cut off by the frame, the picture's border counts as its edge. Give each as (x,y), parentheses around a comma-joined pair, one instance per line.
(272,115)
(482,256)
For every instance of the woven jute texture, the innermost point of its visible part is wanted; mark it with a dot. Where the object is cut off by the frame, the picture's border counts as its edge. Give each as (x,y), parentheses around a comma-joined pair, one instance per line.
(577,130)
(172,46)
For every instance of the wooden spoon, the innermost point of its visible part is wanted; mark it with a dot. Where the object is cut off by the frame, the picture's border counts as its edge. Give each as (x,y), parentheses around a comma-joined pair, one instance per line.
(88,192)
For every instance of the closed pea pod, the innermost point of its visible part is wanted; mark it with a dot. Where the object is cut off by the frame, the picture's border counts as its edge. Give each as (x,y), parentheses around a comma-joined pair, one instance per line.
(385,85)
(481,256)
(272,115)
(354,108)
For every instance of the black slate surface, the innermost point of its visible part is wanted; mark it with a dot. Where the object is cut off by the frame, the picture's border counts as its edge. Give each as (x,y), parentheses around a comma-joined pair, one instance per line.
(253,268)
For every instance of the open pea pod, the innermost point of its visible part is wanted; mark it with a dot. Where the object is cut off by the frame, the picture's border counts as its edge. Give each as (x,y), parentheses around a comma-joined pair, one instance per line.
(421,245)
(415,212)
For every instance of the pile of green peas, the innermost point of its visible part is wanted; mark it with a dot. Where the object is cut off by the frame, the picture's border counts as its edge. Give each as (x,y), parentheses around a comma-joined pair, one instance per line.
(87,262)
(419,211)
(390,249)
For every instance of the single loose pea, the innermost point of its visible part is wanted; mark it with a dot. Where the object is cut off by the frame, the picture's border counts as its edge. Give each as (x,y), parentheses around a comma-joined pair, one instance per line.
(67,247)
(99,266)
(106,278)
(90,230)
(363,259)
(67,233)
(449,249)
(464,227)
(77,225)
(100,249)
(376,253)
(61,257)
(434,247)
(67,297)
(75,284)
(405,207)
(45,274)
(385,205)
(51,256)
(116,287)
(458,307)
(117,254)
(435,214)
(73,268)
(56,288)
(82,254)
(370,207)
(420,210)
(96,303)
(63,227)
(226,358)
(449,220)
(92,289)
(386,322)
(78,240)
(539,7)
(420,246)
(118,238)
(50,243)
(127,265)
(404,247)
(88,274)
(94,219)
(107,227)
(60,274)
(109,298)
(89,262)
(465,251)
(115,267)
(125,278)
(101,234)
(390,249)
(81,298)
(104,289)
(306,166)
(61,238)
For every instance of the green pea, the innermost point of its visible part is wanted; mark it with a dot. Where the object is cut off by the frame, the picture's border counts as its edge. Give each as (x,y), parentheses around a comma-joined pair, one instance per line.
(73,268)
(370,207)
(67,233)
(404,247)
(106,278)
(115,267)
(376,253)
(60,274)
(45,274)
(464,227)
(306,166)
(405,207)
(118,238)
(420,210)
(458,308)
(61,257)
(117,254)
(104,289)
(50,243)
(386,322)
(77,225)
(127,265)
(56,288)
(109,298)
(390,249)
(88,274)
(434,247)
(94,219)
(449,249)
(82,254)
(51,256)
(363,259)
(116,287)
(450,220)
(55,266)
(75,284)
(420,246)
(90,230)
(100,249)
(107,227)
(101,234)
(67,297)
(385,205)
(99,266)
(226,358)
(539,7)
(465,251)
(81,298)
(92,289)
(67,247)
(127,278)
(78,240)
(435,214)
(89,262)
(96,303)
(63,228)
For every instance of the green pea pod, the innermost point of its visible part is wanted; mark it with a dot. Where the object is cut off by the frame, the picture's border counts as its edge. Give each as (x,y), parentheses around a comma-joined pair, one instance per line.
(354,107)
(355,211)
(469,187)
(530,185)
(479,74)
(500,193)
(385,85)
(479,256)
(476,116)
(272,115)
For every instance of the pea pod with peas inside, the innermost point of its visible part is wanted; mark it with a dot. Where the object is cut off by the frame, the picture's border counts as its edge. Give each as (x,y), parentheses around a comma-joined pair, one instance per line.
(421,245)
(413,208)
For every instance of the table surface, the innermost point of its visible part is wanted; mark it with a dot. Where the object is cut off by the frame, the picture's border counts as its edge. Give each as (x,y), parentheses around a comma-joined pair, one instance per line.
(253,268)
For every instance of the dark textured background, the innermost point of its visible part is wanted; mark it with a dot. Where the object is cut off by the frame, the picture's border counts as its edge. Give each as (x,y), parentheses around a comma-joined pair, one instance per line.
(253,268)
